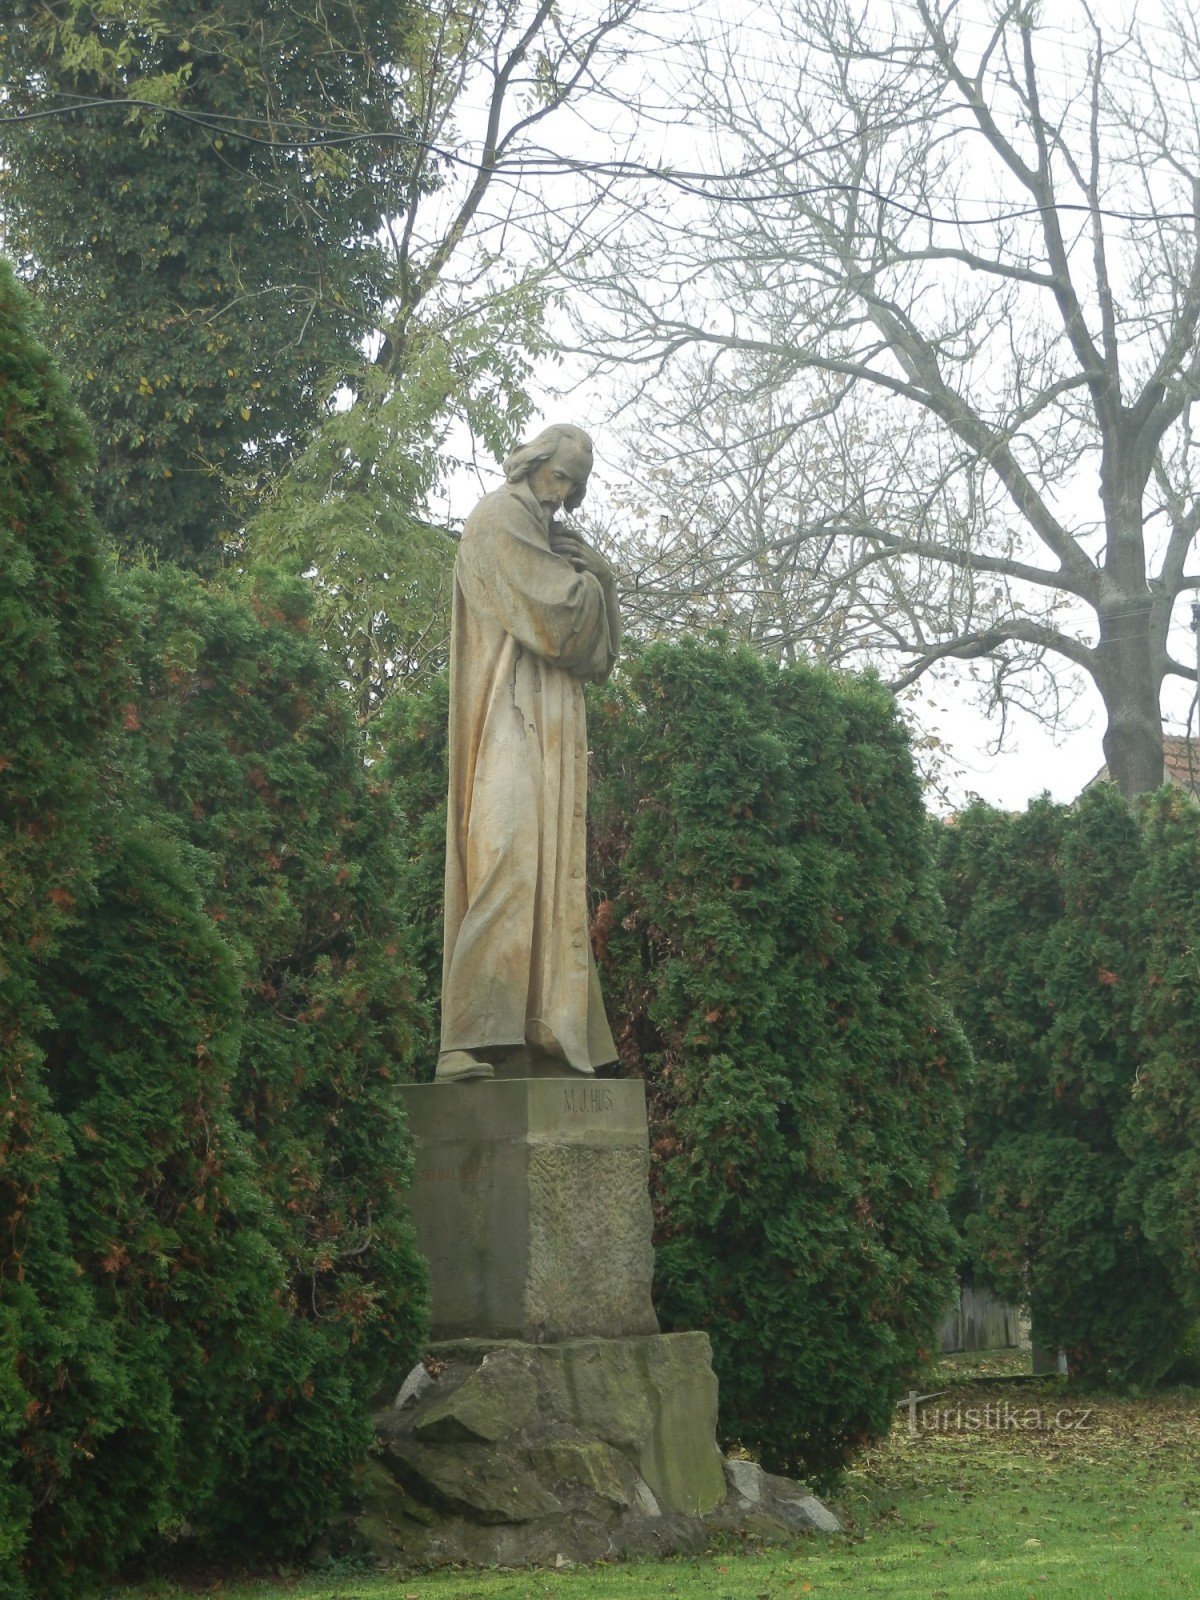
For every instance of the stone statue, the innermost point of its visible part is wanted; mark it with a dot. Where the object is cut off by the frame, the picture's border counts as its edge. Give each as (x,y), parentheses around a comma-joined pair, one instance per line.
(535,617)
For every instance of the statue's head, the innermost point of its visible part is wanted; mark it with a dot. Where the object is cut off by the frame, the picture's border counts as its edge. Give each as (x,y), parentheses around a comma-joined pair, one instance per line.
(555,465)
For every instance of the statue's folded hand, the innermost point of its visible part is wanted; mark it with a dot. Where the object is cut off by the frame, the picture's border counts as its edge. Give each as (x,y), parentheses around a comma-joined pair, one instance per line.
(580,554)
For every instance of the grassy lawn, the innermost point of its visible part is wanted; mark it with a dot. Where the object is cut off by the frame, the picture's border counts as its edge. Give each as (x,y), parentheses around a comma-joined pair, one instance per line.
(992,1490)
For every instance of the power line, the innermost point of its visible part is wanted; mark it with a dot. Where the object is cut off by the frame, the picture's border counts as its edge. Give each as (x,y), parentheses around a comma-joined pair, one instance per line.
(692,182)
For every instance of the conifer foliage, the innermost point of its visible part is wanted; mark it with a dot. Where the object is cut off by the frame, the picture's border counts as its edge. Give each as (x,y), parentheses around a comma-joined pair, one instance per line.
(1164,1137)
(165,1217)
(206,1269)
(251,751)
(768,935)
(60,1390)
(412,751)
(1073,927)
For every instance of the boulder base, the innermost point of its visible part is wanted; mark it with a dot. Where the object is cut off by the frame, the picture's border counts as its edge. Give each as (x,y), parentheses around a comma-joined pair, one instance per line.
(517,1454)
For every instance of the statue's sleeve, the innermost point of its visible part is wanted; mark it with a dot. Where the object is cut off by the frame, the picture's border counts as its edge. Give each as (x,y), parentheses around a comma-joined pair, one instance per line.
(559,614)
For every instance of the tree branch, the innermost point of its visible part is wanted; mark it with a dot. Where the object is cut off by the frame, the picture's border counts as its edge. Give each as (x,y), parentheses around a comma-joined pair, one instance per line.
(1039,181)
(970,647)
(936,395)
(969,560)
(497,141)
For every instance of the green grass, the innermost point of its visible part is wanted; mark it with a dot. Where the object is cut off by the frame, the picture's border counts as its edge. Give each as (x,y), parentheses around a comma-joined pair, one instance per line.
(1106,1509)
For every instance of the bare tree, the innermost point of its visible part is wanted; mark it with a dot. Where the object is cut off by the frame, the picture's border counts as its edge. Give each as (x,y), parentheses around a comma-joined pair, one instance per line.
(474,233)
(977,237)
(747,511)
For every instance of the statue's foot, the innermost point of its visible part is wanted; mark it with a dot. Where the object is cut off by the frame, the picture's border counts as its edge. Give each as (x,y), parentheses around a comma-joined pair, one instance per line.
(532,1061)
(456,1066)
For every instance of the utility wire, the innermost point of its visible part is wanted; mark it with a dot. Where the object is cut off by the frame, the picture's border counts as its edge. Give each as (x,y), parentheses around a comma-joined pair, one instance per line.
(690,182)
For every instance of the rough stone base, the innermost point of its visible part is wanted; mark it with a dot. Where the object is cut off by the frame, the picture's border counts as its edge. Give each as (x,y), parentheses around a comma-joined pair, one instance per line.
(768,1506)
(507,1453)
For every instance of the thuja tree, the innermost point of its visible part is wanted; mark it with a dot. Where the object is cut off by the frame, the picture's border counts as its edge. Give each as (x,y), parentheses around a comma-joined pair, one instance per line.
(251,750)
(123,1203)
(60,1391)
(1114,1308)
(1001,887)
(166,1220)
(205,1266)
(411,751)
(768,933)
(1049,970)
(1163,1135)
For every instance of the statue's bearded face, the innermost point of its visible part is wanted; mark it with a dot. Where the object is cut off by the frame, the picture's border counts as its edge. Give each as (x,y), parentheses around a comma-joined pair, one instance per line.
(564,477)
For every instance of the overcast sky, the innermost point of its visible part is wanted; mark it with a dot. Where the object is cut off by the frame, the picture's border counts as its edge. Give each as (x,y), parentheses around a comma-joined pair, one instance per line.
(1032,760)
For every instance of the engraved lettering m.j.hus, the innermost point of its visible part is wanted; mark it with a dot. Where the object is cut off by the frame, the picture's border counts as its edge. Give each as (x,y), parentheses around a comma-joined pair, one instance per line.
(587,1097)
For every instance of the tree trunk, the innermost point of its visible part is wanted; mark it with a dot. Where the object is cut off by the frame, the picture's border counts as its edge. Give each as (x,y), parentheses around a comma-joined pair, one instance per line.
(1129,682)
(1129,674)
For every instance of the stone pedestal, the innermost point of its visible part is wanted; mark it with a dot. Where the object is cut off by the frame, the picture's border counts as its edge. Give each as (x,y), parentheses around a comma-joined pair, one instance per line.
(551,1422)
(532,1207)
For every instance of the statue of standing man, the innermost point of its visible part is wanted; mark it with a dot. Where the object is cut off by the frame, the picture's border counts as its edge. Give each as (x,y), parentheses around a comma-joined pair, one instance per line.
(535,617)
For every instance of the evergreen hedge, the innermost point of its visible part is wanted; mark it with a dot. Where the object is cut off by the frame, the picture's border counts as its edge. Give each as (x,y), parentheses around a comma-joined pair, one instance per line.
(60,1392)
(1076,1181)
(251,753)
(165,1215)
(766,924)
(411,753)
(1163,1138)
(206,1267)
(769,931)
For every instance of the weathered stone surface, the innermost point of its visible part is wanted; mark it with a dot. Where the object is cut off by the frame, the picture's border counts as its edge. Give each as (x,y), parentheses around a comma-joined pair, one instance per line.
(493,1402)
(569,1539)
(532,1207)
(587,1465)
(768,1506)
(745,1481)
(385,1498)
(680,1460)
(807,1513)
(397,1530)
(413,1387)
(654,1398)
(481,1481)
(593,1384)
(645,1501)
(590,1260)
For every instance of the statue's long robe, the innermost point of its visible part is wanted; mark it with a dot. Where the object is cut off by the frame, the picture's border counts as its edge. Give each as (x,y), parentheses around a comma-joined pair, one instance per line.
(527,629)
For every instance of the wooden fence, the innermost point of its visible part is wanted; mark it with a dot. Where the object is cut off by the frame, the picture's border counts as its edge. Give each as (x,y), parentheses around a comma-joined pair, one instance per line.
(978,1321)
